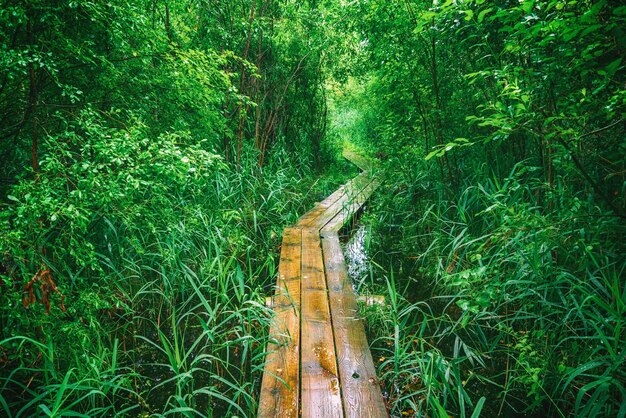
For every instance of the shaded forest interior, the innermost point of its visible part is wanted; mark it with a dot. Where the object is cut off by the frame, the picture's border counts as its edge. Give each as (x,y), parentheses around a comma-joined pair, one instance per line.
(152,152)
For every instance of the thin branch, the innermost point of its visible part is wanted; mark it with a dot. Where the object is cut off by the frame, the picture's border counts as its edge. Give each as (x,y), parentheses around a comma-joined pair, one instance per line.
(597,131)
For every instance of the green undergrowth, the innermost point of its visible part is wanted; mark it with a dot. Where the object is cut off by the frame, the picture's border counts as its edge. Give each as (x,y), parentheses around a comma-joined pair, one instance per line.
(153,258)
(496,304)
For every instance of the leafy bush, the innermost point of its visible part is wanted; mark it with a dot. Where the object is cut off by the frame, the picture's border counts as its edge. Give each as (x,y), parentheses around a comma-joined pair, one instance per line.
(163,255)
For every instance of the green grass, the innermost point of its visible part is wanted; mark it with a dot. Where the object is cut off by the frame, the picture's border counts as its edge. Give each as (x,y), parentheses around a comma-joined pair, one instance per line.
(496,304)
(172,320)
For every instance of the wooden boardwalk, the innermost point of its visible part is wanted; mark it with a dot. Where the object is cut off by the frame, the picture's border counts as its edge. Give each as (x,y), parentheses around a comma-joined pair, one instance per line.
(319,363)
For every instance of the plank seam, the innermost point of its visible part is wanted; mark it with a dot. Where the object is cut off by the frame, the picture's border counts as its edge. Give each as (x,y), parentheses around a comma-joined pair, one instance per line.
(299,380)
(332,324)
(353,201)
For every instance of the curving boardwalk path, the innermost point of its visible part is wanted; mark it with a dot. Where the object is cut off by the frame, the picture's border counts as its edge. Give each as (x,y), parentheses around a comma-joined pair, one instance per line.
(319,363)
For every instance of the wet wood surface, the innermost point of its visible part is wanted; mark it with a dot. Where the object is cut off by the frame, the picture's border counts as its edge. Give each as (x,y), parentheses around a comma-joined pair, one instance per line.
(280,395)
(321,397)
(350,196)
(336,222)
(329,207)
(359,384)
(318,362)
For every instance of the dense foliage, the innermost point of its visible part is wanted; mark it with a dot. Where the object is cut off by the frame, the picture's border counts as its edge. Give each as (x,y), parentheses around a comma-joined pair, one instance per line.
(151,154)
(501,125)
(153,151)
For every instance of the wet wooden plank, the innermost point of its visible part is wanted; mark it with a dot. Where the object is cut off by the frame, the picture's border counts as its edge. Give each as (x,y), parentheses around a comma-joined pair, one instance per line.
(337,222)
(318,362)
(320,391)
(281,377)
(359,386)
(308,219)
(349,195)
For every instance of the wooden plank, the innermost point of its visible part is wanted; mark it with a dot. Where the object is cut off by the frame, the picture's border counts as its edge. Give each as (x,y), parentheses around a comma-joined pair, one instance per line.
(302,376)
(349,194)
(357,160)
(320,397)
(337,222)
(281,377)
(359,386)
(308,219)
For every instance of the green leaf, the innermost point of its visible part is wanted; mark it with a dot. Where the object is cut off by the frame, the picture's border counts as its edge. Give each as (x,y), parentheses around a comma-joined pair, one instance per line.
(431,154)
(589,30)
(570,34)
(46,410)
(620,11)
(479,407)
(441,411)
(470,15)
(481,15)
(13,198)
(463,304)
(528,5)
(613,66)
(580,370)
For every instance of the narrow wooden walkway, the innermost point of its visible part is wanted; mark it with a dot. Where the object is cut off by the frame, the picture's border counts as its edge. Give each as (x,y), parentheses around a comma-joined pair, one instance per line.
(319,363)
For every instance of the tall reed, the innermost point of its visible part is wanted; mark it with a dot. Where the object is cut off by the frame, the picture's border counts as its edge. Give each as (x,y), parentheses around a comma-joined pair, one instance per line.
(498,303)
